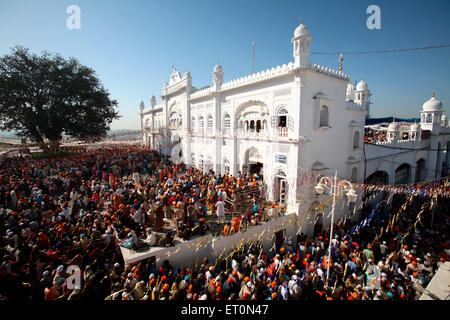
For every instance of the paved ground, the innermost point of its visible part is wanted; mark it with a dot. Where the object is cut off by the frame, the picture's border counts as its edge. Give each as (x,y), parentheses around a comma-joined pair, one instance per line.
(439,286)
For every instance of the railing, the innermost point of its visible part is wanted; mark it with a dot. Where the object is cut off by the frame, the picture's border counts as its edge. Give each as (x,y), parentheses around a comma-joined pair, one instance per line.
(283,132)
(243,199)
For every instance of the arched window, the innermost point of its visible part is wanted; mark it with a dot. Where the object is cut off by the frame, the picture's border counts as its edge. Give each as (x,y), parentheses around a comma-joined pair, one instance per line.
(193,123)
(402,174)
(201,122)
(324,116)
(227,121)
(246,125)
(252,126)
(356,140)
(429,118)
(423,118)
(210,121)
(420,170)
(258,126)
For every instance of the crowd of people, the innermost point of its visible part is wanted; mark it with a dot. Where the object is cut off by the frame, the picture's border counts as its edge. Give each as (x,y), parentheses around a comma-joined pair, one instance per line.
(374,136)
(80,209)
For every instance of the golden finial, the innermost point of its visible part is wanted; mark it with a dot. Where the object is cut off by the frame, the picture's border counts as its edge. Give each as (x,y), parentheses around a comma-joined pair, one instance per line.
(340,62)
(301,20)
(393,119)
(432,94)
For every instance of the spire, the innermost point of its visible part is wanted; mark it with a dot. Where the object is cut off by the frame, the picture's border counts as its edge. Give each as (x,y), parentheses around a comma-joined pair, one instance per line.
(301,20)
(340,62)
(432,94)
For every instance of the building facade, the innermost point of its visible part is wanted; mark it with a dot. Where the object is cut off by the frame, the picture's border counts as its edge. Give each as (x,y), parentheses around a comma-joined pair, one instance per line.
(411,152)
(279,123)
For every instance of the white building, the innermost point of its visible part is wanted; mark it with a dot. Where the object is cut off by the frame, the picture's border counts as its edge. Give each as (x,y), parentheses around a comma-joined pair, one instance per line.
(411,153)
(278,122)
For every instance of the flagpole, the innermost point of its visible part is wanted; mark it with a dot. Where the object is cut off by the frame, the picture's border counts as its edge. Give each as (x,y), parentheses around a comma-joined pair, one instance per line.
(253,57)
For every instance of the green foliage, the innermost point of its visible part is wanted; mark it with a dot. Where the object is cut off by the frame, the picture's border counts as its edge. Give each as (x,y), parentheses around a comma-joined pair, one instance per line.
(45,96)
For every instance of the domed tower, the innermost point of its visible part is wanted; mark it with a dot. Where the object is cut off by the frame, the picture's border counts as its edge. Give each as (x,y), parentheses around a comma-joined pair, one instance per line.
(362,95)
(302,45)
(414,131)
(153,101)
(350,95)
(431,114)
(217,76)
(393,131)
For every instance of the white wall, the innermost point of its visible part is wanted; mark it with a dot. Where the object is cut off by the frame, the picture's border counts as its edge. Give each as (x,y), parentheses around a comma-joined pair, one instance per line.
(186,252)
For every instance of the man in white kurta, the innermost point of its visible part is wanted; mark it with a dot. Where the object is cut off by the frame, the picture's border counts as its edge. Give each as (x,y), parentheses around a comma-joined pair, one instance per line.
(220,206)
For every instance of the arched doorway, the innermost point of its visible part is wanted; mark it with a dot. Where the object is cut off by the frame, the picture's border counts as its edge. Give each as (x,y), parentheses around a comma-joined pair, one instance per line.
(280,187)
(253,162)
(403,174)
(420,170)
(378,177)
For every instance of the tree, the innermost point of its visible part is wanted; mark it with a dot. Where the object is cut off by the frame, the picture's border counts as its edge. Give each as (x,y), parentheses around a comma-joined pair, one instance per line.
(46,96)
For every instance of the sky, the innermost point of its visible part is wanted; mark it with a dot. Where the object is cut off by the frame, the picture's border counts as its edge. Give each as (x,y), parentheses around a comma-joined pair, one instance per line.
(133,44)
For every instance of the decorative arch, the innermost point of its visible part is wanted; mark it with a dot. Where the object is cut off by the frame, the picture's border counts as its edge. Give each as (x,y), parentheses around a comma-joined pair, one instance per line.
(226,121)
(356,140)
(420,170)
(209,121)
(378,177)
(251,110)
(281,110)
(247,107)
(324,116)
(403,174)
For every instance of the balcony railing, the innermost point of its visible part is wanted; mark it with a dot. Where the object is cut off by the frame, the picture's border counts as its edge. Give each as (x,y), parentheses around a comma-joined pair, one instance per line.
(283,132)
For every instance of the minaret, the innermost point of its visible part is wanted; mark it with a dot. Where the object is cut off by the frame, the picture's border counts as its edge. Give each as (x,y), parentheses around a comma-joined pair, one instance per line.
(393,131)
(431,115)
(153,101)
(217,77)
(302,45)
(362,95)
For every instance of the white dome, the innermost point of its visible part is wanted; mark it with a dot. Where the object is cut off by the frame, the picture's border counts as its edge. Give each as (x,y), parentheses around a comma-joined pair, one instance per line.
(350,88)
(217,67)
(432,104)
(393,126)
(301,30)
(361,86)
(350,91)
